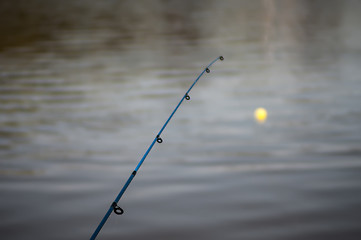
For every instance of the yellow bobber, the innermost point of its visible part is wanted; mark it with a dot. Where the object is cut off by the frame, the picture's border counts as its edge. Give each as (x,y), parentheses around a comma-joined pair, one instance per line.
(260,115)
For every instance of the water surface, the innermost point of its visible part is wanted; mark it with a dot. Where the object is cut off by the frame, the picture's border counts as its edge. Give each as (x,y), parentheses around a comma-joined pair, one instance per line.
(85,87)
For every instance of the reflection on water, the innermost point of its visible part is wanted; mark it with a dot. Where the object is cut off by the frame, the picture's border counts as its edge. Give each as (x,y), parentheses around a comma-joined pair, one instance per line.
(85,86)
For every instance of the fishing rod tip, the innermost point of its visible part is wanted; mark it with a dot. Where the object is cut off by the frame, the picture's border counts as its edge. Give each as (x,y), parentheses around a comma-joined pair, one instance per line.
(221,58)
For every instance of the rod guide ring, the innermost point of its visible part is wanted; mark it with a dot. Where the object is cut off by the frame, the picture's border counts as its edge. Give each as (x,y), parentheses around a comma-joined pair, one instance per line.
(159,139)
(117,210)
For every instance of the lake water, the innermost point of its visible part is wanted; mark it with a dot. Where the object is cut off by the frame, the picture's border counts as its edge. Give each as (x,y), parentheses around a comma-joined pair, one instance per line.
(86,85)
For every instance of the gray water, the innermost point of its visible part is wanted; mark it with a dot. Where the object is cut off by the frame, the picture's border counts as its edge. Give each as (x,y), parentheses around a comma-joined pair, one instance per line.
(86,85)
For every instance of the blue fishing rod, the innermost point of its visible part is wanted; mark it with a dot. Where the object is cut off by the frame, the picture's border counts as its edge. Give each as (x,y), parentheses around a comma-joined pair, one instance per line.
(114,206)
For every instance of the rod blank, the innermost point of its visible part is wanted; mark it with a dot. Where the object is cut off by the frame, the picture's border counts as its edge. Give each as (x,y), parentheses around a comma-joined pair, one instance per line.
(114,205)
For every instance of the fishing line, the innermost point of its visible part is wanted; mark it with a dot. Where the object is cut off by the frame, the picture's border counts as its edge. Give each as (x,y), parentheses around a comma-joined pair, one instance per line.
(114,205)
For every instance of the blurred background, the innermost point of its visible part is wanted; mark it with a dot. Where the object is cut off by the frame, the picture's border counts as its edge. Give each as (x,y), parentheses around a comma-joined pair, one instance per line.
(86,85)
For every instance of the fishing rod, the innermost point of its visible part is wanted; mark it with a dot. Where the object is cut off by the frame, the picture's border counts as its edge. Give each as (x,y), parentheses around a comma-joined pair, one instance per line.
(114,206)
